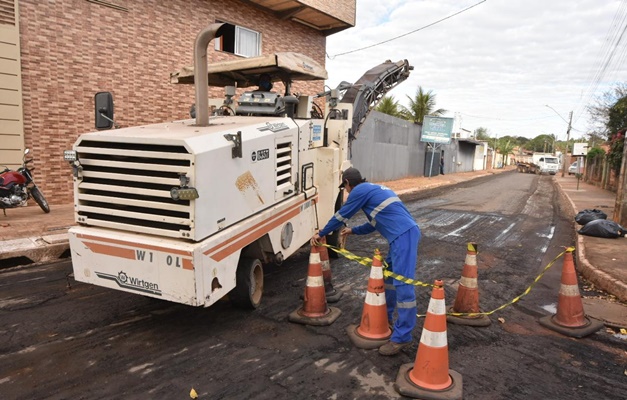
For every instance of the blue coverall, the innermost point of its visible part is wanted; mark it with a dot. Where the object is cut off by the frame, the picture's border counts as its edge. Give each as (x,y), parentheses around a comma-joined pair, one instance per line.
(389,216)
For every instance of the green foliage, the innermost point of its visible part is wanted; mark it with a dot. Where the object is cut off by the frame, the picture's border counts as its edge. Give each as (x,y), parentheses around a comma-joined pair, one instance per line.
(506,146)
(389,106)
(423,103)
(616,127)
(595,153)
(541,143)
(615,155)
(617,117)
(481,133)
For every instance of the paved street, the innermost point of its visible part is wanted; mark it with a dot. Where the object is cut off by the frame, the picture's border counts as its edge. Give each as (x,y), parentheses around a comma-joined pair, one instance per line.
(56,332)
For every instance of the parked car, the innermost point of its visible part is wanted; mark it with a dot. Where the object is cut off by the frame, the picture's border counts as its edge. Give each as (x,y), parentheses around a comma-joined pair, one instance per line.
(573,169)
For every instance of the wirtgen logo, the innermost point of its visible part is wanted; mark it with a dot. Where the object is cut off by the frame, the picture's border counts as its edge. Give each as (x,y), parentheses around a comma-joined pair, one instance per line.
(131,283)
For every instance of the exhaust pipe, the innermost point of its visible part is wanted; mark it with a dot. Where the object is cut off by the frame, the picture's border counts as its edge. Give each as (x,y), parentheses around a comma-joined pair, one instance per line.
(200,71)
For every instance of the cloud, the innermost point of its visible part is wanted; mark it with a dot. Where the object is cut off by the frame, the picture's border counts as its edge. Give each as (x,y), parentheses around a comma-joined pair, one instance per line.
(496,65)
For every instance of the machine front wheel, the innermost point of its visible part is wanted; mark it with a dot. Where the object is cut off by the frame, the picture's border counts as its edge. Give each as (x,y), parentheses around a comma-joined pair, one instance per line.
(248,284)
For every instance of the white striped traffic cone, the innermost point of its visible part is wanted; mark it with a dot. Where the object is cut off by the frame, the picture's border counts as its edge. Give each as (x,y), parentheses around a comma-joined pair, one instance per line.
(429,377)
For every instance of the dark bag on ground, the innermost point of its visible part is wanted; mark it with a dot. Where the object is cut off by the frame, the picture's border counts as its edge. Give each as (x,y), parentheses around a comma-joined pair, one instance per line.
(603,228)
(585,216)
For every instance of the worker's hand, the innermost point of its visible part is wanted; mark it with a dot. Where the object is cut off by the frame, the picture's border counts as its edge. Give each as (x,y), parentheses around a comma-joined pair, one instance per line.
(343,235)
(315,240)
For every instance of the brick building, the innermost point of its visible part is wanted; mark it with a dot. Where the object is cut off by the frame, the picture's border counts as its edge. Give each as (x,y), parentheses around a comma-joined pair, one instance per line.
(56,55)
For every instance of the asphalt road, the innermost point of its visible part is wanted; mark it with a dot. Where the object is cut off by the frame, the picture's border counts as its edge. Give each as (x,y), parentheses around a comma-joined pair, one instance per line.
(61,339)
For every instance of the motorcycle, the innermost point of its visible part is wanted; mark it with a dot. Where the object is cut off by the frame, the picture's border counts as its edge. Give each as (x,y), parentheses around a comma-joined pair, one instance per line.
(17,187)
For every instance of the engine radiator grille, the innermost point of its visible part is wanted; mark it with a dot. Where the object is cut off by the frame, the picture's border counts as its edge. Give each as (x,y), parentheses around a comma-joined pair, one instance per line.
(127,186)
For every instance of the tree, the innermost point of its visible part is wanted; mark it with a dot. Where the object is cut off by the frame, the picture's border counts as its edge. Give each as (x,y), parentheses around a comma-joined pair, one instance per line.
(522,141)
(617,117)
(506,146)
(610,116)
(599,112)
(541,143)
(389,106)
(423,103)
(481,133)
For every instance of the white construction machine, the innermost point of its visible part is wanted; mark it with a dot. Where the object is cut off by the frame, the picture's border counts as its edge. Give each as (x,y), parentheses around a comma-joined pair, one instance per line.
(189,211)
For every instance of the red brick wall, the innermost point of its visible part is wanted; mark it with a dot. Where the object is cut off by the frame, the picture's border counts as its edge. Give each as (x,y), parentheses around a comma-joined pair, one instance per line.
(72,49)
(342,9)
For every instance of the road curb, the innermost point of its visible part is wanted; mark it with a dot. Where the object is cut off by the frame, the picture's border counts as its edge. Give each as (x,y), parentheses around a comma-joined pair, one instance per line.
(599,278)
(37,249)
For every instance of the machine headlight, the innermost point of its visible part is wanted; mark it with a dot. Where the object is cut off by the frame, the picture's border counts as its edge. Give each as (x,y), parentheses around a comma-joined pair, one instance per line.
(183,193)
(70,155)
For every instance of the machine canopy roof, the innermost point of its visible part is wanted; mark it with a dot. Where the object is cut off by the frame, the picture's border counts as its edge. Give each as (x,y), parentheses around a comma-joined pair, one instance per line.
(245,72)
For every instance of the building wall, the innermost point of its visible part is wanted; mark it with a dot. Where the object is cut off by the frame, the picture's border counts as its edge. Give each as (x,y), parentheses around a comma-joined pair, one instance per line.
(389,148)
(72,49)
(342,9)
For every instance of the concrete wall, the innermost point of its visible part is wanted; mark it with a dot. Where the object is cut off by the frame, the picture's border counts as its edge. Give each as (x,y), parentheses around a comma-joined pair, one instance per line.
(389,148)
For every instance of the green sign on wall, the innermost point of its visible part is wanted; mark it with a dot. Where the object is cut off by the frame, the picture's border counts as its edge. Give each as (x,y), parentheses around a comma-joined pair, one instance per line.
(437,129)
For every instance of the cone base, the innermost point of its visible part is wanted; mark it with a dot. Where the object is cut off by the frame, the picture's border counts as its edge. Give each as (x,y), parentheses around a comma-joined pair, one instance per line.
(406,387)
(327,319)
(479,320)
(363,342)
(590,327)
(333,296)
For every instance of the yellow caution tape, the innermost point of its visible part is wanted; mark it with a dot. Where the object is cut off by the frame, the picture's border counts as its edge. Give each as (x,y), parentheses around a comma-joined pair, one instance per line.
(471,247)
(517,298)
(368,262)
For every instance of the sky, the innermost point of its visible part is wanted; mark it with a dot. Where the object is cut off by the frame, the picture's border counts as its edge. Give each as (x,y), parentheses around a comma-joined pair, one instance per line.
(497,65)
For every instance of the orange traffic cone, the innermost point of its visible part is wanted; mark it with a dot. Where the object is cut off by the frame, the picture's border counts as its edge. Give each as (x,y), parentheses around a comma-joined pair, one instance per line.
(467,300)
(314,310)
(570,319)
(429,377)
(374,331)
(331,294)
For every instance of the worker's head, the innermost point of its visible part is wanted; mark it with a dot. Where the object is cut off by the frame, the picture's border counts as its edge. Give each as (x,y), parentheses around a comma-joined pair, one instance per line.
(351,177)
(265,82)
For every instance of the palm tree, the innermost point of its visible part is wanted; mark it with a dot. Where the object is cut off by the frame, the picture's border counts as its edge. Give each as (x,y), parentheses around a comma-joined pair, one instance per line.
(389,106)
(506,146)
(422,104)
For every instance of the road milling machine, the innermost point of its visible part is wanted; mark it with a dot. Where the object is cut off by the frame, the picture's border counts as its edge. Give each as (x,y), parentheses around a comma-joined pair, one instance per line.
(189,211)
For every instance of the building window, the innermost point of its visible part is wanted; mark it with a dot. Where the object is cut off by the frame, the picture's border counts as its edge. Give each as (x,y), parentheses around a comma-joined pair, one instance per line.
(238,40)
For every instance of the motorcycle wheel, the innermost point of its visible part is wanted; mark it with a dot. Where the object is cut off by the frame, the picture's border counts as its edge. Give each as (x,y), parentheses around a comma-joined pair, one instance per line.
(40,199)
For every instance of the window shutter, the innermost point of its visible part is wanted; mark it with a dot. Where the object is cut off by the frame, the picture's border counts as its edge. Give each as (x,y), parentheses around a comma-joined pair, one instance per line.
(7,12)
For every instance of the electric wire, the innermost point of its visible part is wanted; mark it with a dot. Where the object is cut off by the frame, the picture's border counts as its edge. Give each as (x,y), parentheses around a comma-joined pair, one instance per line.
(614,37)
(405,34)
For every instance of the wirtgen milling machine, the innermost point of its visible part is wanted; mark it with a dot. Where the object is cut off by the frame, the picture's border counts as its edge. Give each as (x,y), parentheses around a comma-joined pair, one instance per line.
(189,211)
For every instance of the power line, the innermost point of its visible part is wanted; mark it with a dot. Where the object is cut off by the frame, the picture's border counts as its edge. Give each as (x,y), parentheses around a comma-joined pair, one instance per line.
(406,34)
(613,39)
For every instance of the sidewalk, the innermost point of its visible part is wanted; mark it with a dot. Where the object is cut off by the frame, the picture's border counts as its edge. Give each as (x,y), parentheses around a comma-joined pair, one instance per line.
(29,235)
(602,261)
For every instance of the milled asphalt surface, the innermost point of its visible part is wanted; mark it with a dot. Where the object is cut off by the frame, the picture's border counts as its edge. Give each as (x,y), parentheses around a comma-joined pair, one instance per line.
(28,236)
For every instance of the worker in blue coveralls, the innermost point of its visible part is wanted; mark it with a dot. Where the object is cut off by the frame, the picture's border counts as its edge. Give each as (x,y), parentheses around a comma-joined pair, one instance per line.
(387,214)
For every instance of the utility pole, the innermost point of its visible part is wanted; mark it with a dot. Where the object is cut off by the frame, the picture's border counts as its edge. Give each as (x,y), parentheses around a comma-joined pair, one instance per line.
(570,120)
(620,207)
